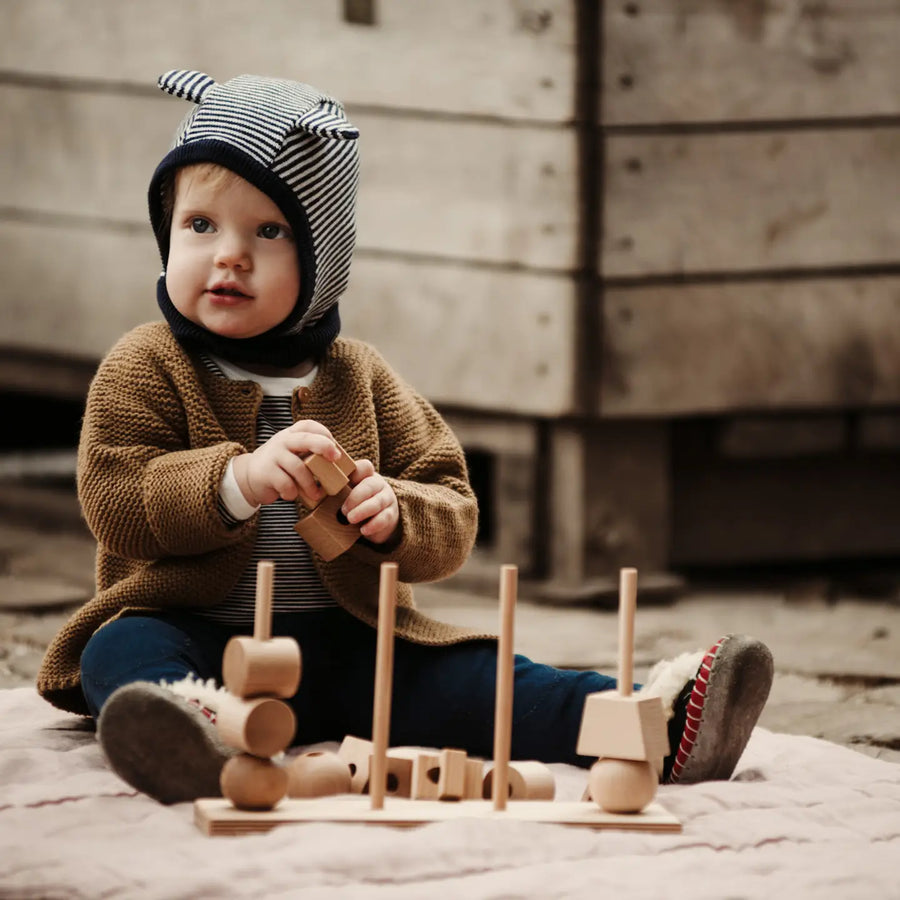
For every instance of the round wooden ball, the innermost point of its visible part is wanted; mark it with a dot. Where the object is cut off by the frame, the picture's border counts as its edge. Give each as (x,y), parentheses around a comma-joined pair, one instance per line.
(622,785)
(251,782)
(318,773)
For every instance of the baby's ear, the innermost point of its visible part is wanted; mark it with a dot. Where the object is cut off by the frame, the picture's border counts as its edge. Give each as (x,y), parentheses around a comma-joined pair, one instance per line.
(186,83)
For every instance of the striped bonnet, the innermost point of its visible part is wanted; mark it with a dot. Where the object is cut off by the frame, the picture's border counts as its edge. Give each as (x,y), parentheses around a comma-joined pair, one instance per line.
(293,143)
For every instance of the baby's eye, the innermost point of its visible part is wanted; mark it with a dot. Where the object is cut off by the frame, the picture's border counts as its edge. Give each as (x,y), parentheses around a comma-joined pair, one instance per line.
(272,231)
(201,225)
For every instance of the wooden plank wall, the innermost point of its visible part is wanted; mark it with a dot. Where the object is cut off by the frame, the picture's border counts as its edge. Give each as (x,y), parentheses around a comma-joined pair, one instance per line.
(750,249)
(468,208)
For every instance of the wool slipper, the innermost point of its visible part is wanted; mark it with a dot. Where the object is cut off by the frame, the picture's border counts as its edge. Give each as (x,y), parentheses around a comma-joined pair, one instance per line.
(161,743)
(715,710)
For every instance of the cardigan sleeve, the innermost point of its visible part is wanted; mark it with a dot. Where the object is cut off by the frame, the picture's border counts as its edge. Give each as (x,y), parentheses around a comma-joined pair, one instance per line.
(145,491)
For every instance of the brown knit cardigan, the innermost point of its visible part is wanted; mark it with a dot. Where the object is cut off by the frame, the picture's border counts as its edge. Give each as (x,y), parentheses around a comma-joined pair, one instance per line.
(157,435)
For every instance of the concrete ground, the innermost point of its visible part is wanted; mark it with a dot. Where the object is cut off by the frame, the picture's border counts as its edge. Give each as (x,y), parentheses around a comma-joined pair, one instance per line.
(836,646)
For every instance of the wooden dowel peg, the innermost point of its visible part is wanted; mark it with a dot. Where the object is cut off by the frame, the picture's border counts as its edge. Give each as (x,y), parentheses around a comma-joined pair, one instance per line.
(384,664)
(627,604)
(504,701)
(262,621)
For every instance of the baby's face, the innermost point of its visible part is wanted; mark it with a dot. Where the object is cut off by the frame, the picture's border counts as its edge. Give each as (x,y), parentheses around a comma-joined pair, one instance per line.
(232,266)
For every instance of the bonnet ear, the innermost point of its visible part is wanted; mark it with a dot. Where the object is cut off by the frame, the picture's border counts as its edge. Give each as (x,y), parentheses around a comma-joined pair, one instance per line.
(327,120)
(186,83)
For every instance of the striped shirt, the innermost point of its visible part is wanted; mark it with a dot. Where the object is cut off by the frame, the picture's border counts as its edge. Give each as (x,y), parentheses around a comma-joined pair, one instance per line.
(297,587)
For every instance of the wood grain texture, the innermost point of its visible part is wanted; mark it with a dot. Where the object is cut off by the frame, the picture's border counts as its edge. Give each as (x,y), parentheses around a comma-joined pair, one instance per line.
(467,190)
(504,58)
(684,203)
(714,61)
(684,349)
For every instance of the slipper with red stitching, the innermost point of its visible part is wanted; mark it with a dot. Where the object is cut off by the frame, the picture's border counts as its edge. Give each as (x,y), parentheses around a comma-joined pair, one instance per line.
(716,711)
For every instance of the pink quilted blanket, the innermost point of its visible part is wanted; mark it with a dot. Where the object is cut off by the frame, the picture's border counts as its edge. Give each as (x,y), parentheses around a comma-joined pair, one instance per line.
(800,818)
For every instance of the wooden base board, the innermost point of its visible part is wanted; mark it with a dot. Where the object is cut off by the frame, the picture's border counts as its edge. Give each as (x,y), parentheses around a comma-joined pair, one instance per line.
(216,816)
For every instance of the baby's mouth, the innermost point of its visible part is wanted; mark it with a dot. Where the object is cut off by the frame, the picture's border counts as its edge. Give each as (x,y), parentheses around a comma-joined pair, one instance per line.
(227,291)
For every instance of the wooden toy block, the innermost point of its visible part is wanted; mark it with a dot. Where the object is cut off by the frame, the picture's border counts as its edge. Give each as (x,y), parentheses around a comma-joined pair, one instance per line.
(250,782)
(623,727)
(451,774)
(262,726)
(399,778)
(528,780)
(426,771)
(318,773)
(326,530)
(474,779)
(333,476)
(356,752)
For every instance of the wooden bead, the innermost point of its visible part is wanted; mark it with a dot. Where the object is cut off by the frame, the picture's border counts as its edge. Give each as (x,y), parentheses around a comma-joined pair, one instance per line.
(250,782)
(622,785)
(318,773)
(252,668)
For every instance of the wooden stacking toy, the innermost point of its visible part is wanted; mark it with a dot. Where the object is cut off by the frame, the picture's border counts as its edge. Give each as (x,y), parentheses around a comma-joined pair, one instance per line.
(409,786)
(257,672)
(626,732)
(324,528)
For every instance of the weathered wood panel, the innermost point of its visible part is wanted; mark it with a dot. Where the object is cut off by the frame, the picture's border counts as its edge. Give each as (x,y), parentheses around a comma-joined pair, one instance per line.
(739,60)
(472,190)
(481,339)
(513,58)
(673,350)
(486,339)
(748,202)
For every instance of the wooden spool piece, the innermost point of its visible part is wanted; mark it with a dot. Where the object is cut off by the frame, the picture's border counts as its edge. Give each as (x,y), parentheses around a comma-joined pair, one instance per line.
(253,783)
(356,752)
(262,665)
(622,785)
(262,726)
(318,773)
(253,668)
(528,780)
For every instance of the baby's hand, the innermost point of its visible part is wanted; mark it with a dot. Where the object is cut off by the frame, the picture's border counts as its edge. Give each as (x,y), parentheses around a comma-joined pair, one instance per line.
(372,504)
(276,470)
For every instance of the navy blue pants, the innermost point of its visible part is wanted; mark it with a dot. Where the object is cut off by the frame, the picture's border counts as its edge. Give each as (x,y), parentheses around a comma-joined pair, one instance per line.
(442,696)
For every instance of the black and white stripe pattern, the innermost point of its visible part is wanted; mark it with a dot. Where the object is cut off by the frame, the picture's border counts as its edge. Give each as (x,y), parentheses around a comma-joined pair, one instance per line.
(297,587)
(302,136)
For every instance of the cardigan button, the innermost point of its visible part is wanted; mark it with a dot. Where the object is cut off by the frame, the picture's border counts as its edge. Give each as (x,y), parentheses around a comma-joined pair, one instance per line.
(303,394)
